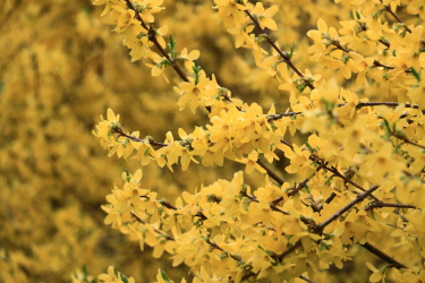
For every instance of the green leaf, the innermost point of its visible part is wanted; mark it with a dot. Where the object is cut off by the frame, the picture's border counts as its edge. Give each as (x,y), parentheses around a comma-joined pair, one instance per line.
(165,276)
(291,51)
(172,46)
(123,278)
(358,15)
(128,176)
(415,74)
(197,69)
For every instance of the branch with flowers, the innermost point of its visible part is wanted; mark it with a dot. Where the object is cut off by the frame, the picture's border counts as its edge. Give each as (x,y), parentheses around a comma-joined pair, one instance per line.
(231,230)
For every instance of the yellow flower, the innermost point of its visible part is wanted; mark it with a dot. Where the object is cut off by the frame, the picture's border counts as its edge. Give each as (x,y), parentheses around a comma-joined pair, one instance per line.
(192,93)
(188,58)
(264,18)
(111,277)
(321,38)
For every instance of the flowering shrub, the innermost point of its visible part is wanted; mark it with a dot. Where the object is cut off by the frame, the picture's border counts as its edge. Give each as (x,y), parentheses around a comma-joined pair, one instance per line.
(350,130)
(300,159)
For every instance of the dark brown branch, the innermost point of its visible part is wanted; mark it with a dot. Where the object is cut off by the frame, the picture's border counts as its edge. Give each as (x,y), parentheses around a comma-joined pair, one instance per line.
(271,173)
(306,279)
(215,246)
(120,133)
(276,201)
(271,204)
(300,186)
(278,116)
(406,140)
(381,204)
(383,256)
(168,237)
(384,43)
(166,204)
(152,38)
(379,64)
(282,54)
(287,143)
(337,44)
(288,251)
(274,117)
(330,198)
(338,174)
(378,103)
(358,199)
(388,9)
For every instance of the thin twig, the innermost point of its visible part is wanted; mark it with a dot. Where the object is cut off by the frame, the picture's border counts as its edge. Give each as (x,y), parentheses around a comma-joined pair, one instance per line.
(274,117)
(337,44)
(384,43)
(381,204)
(120,132)
(282,54)
(300,186)
(406,140)
(168,237)
(215,246)
(388,9)
(152,38)
(271,204)
(278,116)
(306,279)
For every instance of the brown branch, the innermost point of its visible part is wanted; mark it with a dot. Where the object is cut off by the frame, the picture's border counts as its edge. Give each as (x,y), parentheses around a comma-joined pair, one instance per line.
(271,204)
(275,117)
(406,140)
(152,38)
(381,204)
(385,43)
(383,256)
(330,198)
(271,172)
(166,204)
(168,237)
(286,143)
(336,43)
(288,251)
(282,54)
(120,133)
(336,173)
(301,185)
(306,279)
(378,103)
(387,8)
(379,64)
(358,199)
(217,247)
(277,200)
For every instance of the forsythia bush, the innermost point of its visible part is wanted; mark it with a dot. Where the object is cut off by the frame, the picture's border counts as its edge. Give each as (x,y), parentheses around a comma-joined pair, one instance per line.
(301,159)
(347,114)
